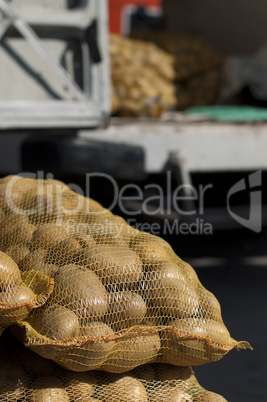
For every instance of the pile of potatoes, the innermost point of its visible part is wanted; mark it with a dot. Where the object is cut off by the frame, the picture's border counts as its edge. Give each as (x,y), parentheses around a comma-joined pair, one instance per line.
(19,294)
(121,298)
(143,84)
(194,77)
(26,376)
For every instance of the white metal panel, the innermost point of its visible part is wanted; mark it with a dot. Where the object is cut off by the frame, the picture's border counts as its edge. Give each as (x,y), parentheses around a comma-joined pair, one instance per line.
(36,69)
(203,146)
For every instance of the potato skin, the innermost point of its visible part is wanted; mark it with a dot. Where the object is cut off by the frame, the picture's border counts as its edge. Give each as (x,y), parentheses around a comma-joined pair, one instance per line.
(80,386)
(9,273)
(193,352)
(16,305)
(33,259)
(17,252)
(167,372)
(132,351)
(48,236)
(90,355)
(169,394)
(116,266)
(82,291)
(16,229)
(125,310)
(146,372)
(124,388)
(209,305)
(152,250)
(56,322)
(65,252)
(208,396)
(168,290)
(48,389)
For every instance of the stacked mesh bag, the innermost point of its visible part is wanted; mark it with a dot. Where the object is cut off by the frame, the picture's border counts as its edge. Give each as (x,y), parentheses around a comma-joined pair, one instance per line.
(100,295)
(143,84)
(196,65)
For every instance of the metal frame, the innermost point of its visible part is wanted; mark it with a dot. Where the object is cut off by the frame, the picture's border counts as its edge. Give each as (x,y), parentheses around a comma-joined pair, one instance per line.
(84,110)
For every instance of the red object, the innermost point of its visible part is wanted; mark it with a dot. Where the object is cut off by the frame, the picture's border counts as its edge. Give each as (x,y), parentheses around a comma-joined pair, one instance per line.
(116,9)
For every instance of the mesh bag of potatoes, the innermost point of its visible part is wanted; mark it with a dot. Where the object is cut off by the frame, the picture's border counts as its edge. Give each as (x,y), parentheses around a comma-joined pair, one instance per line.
(121,298)
(25,376)
(143,84)
(20,292)
(197,65)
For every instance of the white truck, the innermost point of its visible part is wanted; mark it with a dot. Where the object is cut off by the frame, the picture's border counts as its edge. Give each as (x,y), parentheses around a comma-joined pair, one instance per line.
(55,91)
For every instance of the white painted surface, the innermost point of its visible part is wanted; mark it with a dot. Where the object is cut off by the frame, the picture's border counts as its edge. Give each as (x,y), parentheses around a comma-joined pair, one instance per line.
(203,146)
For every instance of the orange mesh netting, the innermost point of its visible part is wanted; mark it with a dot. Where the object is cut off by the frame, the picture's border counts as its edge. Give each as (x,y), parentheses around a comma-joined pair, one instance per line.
(25,376)
(121,298)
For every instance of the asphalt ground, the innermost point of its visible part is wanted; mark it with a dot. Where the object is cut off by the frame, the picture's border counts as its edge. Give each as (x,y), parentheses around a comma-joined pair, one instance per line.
(233,265)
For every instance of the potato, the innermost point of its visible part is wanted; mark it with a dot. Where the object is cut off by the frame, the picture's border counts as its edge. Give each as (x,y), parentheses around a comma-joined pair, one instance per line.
(64,251)
(151,249)
(169,394)
(189,272)
(167,289)
(34,259)
(16,305)
(218,333)
(13,382)
(115,265)
(56,322)
(132,351)
(153,318)
(2,212)
(16,229)
(125,310)
(9,273)
(84,254)
(89,355)
(17,252)
(48,236)
(124,389)
(82,291)
(146,372)
(209,306)
(112,232)
(51,203)
(14,191)
(98,352)
(167,372)
(86,240)
(208,396)
(193,352)
(80,386)
(48,389)
(47,269)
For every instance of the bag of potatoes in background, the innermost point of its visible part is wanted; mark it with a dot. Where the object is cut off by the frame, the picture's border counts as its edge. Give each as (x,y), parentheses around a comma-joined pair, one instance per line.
(122,298)
(26,376)
(20,292)
(197,64)
(143,84)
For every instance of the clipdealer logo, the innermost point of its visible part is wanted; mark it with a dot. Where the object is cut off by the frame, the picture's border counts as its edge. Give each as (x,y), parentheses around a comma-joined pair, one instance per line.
(183,208)
(254,221)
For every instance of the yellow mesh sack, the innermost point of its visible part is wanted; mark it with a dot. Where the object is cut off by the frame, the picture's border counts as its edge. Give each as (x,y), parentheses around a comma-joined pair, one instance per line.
(143,85)
(122,298)
(20,292)
(26,376)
